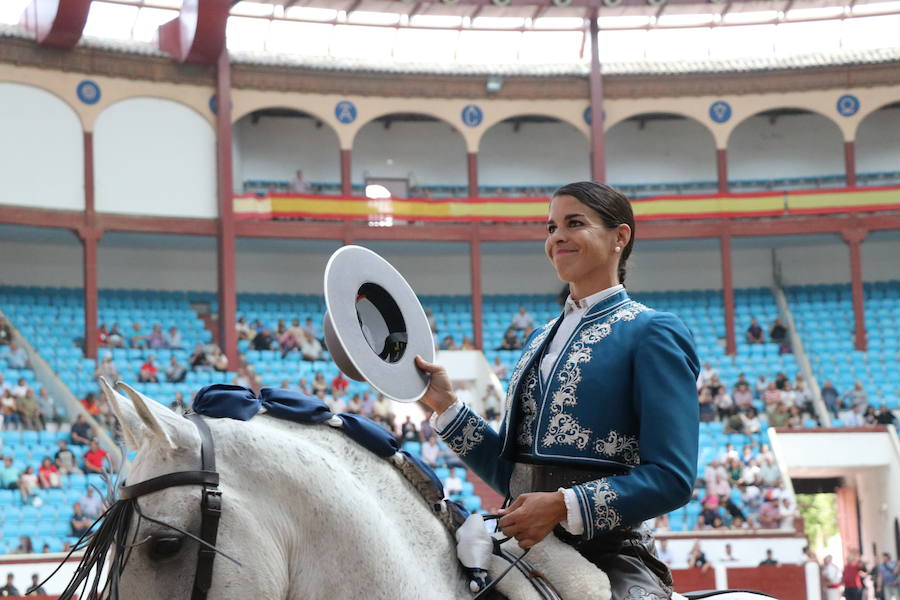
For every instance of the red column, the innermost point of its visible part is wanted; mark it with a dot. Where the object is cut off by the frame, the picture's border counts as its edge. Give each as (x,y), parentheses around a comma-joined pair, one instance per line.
(473,174)
(225,241)
(598,150)
(346,177)
(728,293)
(850,163)
(477,299)
(722,169)
(854,239)
(89,237)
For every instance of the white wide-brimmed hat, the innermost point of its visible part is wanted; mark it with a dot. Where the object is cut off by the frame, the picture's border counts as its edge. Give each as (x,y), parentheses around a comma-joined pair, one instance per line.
(374,325)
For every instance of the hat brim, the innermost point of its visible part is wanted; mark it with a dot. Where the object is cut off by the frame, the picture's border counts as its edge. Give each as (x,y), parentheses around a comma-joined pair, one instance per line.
(348,269)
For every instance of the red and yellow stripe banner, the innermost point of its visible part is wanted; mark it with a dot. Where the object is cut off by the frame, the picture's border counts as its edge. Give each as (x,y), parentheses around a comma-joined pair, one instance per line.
(765,204)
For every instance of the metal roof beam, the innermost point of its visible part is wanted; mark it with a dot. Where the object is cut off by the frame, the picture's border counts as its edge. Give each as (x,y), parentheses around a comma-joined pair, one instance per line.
(56,23)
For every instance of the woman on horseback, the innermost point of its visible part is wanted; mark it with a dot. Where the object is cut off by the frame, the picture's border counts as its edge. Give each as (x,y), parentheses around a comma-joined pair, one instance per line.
(600,426)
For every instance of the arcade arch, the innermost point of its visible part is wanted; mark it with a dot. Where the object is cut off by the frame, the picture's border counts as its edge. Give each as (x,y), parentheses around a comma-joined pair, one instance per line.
(878,144)
(525,152)
(785,143)
(420,149)
(271,144)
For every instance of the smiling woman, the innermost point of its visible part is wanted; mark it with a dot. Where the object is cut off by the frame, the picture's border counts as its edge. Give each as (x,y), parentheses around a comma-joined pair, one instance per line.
(600,430)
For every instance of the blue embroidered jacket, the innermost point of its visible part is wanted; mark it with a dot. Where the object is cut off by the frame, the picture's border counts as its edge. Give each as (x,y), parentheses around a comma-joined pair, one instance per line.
(621,397)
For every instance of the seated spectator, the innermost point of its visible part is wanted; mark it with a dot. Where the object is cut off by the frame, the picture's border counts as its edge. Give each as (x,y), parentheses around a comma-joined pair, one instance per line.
(148,372)
(367,405)
(856,397)
(94,459)
(30,412)
(467,344)
(769,560)
(91,504)
(299,185)
(772,396)
(137,339)
(80,522)
(742,396)
(510,341)
(36,589)
(198,360)
(354,405)
(218,360)
(778,415)
(750,475)
(304,387)
(449,344)
(107,369)
(750,422)
(788,395)
(25,547)
(280,327)
(9,410)
(28,484)
(431,452)
(65,460)
(263,340)
(89,402)
(697,558)
(408,431)
(49,411)
(803,398)
(831,397)
(795,418)
(310,347)
(20,389)
(769,514)
(339,385)
(761,386)
(499,368)
(156,339)
(452,485)
(116,338)
(310,329)
(81,433)
(755,333)
(426,431)
(102,336)
(319,383)
(870,417)
(663,553)
(778,332)
(291,339)
(244,331)
(724,403)
(176,372)
(9,477)
(16,357)
(177,404)
(48,474)
(173,339)
(780,381)
(521,320)
(706,375)
(707,406)
(382,408)
(885,416)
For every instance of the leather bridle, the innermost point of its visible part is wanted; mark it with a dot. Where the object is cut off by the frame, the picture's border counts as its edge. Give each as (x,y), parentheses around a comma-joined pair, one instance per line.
(210,502)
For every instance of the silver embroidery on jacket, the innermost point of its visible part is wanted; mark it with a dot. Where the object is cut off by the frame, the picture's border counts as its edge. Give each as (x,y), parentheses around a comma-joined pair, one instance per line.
(528,407)
(471,435)
(563,427)
(523,361)
(605,517)
(636,592)
(618,446)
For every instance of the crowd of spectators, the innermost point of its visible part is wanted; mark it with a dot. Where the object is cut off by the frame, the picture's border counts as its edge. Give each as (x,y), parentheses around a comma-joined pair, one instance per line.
(139,338)
(305,339)
(23,407)
(778,334)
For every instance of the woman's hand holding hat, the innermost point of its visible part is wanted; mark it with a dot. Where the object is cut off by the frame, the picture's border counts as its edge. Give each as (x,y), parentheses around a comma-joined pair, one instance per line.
(439,396)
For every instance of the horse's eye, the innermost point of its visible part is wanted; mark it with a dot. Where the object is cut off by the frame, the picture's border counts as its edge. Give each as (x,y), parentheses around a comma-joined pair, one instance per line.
(165,547)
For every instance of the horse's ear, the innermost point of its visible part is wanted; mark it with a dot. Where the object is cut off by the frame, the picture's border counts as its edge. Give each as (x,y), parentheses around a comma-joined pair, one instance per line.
(164,426)
(125,413)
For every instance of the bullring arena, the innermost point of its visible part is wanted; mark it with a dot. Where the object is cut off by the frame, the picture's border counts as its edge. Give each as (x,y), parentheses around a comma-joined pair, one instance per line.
(174,175)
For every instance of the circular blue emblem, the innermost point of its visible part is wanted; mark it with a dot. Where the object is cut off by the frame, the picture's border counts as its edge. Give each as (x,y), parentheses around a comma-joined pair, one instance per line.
(472,115)
(345,111)
(720,111)
(214,104)
(588,115)
(88,92)
(848,105)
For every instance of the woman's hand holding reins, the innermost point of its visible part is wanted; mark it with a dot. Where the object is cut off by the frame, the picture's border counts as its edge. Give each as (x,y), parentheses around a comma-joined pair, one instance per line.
(439,396)
(532,516)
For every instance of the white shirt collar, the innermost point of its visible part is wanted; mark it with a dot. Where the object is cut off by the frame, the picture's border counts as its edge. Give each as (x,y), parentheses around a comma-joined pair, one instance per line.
(587,303)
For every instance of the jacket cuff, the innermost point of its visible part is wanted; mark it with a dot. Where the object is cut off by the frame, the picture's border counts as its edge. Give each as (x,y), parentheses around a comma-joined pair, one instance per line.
(595,500)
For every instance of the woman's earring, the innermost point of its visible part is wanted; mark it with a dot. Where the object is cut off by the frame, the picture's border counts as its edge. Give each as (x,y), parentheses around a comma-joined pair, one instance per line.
(618,248)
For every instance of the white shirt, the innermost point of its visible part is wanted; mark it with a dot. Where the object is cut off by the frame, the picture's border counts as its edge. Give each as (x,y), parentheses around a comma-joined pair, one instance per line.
(573,312)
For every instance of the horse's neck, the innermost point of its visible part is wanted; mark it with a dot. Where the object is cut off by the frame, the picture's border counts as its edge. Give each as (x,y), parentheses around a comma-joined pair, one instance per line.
(346,521)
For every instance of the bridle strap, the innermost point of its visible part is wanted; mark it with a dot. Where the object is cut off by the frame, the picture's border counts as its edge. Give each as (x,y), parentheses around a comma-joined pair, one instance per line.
(168,480)
(210,510)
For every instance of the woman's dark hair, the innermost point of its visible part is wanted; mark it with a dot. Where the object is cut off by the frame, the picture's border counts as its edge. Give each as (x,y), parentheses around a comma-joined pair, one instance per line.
(610,204)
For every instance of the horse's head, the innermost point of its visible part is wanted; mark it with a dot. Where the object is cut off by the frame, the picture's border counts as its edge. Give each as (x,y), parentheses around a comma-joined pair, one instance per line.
(163,531)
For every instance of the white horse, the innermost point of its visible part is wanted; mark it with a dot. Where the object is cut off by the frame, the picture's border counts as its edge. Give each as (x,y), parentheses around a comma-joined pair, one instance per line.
(308,513)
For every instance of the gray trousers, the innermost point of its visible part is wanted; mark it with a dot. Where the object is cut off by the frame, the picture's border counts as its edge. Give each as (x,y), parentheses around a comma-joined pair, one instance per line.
(627,556)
